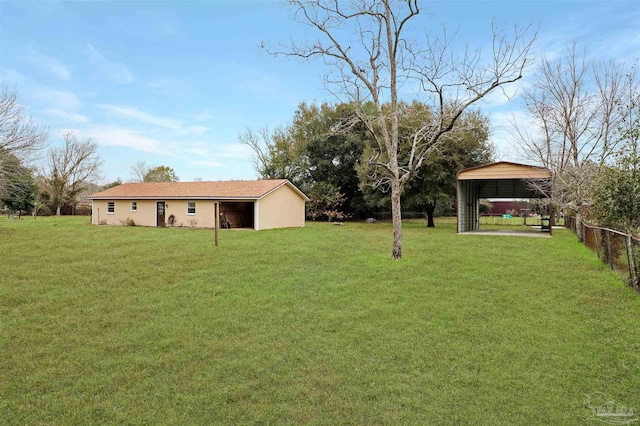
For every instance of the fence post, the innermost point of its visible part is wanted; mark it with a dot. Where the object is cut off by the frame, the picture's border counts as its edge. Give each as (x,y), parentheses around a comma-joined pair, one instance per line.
(609,251)
(631,261)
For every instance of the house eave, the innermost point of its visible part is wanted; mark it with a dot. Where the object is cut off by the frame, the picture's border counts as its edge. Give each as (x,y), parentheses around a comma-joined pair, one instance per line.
(186,197)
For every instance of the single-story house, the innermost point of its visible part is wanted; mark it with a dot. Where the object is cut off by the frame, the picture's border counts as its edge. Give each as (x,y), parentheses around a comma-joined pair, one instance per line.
(257,204)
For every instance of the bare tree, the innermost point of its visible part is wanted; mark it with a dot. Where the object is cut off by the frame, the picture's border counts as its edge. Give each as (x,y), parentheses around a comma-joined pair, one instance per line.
(138,171)
(278,154)
(380,59)
(68,169)
(574,107)
(20,137)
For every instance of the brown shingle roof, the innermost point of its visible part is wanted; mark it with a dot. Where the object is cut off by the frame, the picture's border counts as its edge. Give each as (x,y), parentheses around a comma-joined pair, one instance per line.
(247,189)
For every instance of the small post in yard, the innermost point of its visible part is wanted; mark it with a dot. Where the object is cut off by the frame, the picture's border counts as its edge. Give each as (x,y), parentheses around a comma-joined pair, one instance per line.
(609,250)
(216,220)
(630,261)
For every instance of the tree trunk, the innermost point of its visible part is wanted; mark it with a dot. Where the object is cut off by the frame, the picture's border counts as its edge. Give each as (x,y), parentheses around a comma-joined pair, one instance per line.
(396,217)
(430,209)
(58,211)
(579,232)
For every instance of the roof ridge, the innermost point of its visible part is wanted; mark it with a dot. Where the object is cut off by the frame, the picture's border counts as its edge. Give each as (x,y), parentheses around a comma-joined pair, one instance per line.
(238,189)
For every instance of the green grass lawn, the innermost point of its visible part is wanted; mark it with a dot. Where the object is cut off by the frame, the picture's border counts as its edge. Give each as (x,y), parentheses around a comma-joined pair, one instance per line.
(317,325)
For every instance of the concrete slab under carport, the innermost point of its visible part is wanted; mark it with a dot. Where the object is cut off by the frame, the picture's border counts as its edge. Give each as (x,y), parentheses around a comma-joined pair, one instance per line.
(531,233)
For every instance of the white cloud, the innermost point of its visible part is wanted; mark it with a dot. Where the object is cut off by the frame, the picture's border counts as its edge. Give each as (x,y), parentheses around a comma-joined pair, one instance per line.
(503,95)
(206,115)
(49,64)
(167,85)
(200,149)
(235,151)
(11,76)
(214,156)
(141,116)
(260,84)
(116,71)
(503,136)
(66,115)
(164,23)
(126,138)
(209,163)
(197,130)
(56,99)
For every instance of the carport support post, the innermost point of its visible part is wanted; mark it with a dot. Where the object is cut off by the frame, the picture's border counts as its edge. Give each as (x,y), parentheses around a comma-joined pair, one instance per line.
(216,220)
(551,208)
(551,220)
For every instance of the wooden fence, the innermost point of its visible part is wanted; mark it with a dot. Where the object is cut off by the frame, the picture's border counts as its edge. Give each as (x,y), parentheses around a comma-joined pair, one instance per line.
(621,251)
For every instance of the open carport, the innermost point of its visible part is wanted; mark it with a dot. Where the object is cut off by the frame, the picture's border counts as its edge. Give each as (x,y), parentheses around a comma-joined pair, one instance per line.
(498,180)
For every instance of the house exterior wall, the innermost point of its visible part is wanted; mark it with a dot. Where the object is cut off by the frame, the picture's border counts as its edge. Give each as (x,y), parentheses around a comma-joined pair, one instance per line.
(283,208)
(144,216)
(146,213)
(203,218)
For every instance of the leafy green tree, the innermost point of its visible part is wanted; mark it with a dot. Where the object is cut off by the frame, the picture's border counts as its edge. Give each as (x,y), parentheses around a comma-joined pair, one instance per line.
(467,145)
(111,184)
(323,143)
(20,193)
(10,165)
(616,201)
(335,141)
(616,197)
(161,174)
(629,107)
(278,155)
(325,201)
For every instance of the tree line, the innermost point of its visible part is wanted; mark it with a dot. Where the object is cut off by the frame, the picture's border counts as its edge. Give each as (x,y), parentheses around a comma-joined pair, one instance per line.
(38,180)
(324,151)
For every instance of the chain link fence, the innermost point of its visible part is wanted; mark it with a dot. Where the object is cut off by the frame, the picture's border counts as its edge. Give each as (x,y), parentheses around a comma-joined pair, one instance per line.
(619,250)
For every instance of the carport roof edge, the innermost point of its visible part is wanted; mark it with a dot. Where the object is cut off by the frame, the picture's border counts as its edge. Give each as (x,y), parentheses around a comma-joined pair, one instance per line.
(504,170)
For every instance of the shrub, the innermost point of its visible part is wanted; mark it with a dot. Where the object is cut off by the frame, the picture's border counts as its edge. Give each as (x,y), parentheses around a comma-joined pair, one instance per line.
(127,222)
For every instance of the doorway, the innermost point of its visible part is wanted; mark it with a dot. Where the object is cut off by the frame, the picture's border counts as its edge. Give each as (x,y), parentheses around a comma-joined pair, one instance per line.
(160,214)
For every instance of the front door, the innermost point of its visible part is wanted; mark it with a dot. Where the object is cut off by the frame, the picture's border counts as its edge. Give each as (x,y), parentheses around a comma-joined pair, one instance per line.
(160,221)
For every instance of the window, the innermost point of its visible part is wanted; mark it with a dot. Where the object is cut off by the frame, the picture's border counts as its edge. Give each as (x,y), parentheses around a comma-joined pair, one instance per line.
(134,206)
(111,207)
(191,207)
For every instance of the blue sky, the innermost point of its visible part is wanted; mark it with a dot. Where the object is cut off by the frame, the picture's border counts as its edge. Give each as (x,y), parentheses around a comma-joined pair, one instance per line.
(175,83)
